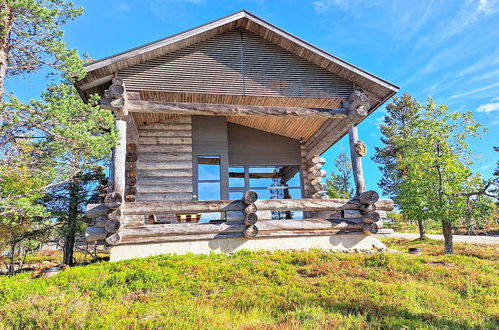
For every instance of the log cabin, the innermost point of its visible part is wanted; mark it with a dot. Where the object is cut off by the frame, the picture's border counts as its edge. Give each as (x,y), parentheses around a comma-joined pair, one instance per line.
(222,128)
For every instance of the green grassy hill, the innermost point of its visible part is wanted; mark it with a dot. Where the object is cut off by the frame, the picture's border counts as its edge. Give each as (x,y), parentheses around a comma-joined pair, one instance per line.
(265,290)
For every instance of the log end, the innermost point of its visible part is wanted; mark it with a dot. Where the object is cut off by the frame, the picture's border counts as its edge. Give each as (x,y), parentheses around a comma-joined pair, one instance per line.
(368,197)
(113,225)
(250,197)
(113,239)
(250,219)
(370,228)
(371,217)
(250,231)
(113,200)
(251,208)
(367,208)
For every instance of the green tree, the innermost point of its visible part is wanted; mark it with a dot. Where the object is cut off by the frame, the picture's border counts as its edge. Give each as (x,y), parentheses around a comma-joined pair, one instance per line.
(66,203)
(25,219)
(402,113)
(65,135)
(340,185)
(436,167)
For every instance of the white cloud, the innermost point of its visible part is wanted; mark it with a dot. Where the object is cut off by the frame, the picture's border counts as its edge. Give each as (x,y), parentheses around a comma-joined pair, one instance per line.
(489,107)
(474,91)
(122,6)
(470,13)
(324,6)
(486,75)
(487,166)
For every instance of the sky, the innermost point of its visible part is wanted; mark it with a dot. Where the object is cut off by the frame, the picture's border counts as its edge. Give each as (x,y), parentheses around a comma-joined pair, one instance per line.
(444,49)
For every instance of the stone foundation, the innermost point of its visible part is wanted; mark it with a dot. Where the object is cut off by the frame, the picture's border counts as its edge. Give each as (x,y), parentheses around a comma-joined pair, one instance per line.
(336,242)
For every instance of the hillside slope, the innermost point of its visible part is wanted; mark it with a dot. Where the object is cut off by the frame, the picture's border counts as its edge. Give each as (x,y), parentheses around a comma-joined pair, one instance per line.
(264,290)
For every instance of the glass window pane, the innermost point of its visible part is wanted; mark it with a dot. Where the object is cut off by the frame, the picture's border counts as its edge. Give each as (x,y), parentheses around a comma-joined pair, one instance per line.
(264,177)
(208,191)
(293,176)
(236,177)
(208,168)
(235,195)
(292,193)
(263,193)
(274,176)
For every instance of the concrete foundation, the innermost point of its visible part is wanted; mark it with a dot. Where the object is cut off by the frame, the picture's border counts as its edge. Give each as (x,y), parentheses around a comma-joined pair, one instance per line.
(338,242)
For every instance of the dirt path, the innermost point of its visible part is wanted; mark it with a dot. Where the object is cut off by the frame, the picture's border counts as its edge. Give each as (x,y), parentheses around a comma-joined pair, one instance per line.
(457,238)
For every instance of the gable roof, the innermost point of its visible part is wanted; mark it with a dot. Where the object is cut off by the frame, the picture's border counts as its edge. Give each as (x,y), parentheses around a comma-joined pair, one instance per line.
(101,71)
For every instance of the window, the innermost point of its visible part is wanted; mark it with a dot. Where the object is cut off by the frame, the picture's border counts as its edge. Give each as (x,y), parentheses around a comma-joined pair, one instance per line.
(209,183)
(270,182)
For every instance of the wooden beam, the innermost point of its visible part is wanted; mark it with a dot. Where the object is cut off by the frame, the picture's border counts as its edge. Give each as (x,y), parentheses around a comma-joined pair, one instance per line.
(333,129)
(358,172)
(116,98)
(191,232)
(229,109)
(96,82)
(166,207)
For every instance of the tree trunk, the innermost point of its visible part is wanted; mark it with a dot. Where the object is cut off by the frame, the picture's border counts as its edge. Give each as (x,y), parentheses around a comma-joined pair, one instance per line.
(5,28)
(447,231)
(422,229)
(69,241)
(10,270)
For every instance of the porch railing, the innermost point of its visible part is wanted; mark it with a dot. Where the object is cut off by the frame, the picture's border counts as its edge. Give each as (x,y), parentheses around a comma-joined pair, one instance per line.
(125,223)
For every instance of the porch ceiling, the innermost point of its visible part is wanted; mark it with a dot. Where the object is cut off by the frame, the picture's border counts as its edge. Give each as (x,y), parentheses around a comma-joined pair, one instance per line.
(299,128)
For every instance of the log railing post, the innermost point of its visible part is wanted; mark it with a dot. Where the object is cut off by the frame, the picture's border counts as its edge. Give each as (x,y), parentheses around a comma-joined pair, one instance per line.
(358,173)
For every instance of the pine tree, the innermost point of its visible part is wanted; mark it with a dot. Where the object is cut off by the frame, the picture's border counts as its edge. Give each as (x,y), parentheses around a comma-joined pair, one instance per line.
(65,136)
(402,113)
(340,185)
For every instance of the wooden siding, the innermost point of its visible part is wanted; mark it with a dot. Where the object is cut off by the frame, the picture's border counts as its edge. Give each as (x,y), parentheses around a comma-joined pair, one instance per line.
(248,146)
(237,62)
(164,164)
(209,138)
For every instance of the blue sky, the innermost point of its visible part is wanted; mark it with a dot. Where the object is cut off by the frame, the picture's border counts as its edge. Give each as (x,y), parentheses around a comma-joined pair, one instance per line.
(446,49)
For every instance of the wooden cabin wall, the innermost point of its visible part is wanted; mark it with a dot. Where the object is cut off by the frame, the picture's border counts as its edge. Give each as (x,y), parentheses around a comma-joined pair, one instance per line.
(164,160)
(249,146)
(209,138)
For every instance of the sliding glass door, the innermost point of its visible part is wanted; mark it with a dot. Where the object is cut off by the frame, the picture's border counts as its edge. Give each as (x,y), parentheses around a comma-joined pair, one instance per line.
(270,182)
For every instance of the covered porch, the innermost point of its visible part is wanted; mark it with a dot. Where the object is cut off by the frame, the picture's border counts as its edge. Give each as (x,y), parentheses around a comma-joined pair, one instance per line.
(231,109)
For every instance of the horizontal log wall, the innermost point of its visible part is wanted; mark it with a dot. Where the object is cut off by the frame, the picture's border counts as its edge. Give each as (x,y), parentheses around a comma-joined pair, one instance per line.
(153,207)
(164,161)
(194,232)
(126,225)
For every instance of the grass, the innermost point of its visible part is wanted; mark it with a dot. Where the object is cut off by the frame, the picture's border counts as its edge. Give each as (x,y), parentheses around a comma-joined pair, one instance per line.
(250,290)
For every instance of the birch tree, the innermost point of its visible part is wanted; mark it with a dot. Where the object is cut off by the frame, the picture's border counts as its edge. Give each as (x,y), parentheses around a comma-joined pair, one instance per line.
(437,167)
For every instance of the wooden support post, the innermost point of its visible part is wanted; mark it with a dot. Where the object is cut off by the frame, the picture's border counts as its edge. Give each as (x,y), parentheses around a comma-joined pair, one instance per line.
(120,159)
(358,174)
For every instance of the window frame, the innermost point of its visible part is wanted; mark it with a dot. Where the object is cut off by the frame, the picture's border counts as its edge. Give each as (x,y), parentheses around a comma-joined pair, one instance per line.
(247,179)
(219,180)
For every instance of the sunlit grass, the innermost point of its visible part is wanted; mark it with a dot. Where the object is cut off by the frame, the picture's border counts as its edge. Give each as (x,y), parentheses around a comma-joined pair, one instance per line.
(313,289)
